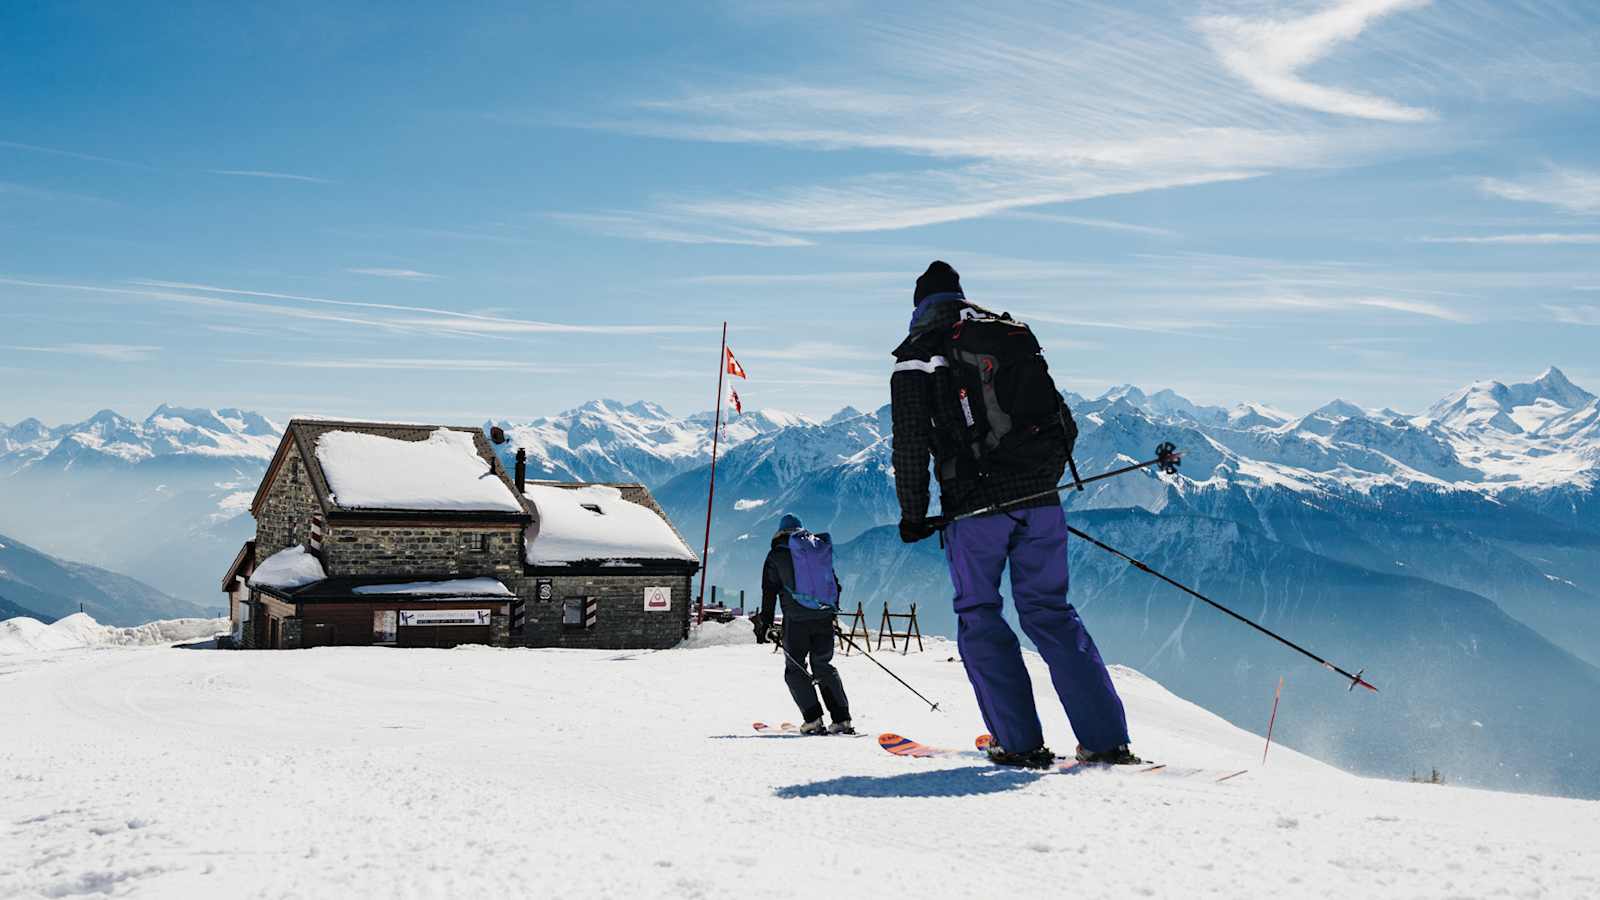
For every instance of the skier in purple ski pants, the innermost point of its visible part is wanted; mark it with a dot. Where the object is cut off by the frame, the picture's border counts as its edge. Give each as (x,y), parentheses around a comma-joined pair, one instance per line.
(1030,537)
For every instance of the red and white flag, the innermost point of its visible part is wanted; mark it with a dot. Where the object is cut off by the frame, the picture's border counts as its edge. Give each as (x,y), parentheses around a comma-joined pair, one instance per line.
(733,366)
(737,406)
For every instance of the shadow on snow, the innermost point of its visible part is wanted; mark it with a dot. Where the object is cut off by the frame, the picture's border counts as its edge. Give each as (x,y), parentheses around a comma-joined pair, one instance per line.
(971,781)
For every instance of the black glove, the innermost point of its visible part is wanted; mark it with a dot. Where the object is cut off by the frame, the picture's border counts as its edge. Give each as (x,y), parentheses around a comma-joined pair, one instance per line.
(760,625)
(913,530)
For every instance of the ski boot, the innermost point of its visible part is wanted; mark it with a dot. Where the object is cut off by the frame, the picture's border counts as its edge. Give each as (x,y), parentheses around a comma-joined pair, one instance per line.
(814,726)
(1041,758)
(841,727)
(1116,756)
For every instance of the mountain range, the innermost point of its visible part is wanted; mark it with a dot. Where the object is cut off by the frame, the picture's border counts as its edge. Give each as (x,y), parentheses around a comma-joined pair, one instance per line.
(159,499)
(44,587)
(1452,551)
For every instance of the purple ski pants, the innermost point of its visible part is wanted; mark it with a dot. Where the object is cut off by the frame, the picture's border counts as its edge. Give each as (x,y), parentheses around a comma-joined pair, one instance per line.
(1034,541)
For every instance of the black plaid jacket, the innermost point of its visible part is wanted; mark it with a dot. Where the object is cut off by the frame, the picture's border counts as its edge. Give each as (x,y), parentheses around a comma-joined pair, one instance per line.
(920,394)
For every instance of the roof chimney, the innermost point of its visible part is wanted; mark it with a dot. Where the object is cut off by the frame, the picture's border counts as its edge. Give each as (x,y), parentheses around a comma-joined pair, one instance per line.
(522,470)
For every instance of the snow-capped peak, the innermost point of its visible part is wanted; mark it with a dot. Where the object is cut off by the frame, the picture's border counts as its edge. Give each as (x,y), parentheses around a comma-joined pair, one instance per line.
(108,437)
(1339,409)
(1256,415)
(1516,409)
(1127,392)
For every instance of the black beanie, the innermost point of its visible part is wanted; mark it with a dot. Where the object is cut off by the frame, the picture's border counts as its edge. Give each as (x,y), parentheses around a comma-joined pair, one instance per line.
(939,279)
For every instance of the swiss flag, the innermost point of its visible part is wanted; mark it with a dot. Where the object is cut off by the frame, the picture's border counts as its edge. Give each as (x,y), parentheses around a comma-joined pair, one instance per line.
(734,368)
(737,406)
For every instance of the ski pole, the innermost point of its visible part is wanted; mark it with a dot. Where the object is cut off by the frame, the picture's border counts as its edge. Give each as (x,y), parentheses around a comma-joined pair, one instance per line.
(815,682)
(1354,679)
(1168,457)
(932,706)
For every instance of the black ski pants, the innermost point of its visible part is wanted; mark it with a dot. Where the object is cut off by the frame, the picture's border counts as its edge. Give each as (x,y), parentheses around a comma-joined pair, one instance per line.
(814,640)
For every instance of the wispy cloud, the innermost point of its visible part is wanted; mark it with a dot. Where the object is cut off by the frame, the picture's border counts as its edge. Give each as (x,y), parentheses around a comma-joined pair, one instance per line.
(72,154)
(1575,315)
(993,111)
(1527,239)
(126,353)
(405,274)
(260,173)
(808,279)
(1103,224)
(26,190)
(676,229)
(389,316)
(448,318)
(456,364)
(812,350)
(1572,189)
(1269,54)
(1418,307)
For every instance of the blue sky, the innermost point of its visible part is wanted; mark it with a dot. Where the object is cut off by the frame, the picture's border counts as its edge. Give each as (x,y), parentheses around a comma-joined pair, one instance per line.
(459,211)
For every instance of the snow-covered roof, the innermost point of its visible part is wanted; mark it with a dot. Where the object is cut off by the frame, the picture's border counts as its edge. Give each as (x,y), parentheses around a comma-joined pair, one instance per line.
(456,587)
(442,472)
(595,523)
(289,568)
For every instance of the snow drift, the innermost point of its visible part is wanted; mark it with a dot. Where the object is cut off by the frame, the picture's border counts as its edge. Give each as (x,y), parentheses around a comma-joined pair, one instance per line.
(79,630)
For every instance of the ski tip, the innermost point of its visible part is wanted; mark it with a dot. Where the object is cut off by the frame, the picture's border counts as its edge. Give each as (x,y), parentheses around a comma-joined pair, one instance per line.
(894,743)
(983,741)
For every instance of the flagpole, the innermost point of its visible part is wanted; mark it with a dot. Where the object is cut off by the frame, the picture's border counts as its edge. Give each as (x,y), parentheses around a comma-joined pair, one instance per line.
(711,492)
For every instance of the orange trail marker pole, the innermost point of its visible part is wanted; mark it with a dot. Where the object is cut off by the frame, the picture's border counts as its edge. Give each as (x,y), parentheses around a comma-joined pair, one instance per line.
(1274,718)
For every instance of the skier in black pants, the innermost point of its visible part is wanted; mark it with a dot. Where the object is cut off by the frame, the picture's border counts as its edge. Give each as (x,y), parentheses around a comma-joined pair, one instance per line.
(799,571)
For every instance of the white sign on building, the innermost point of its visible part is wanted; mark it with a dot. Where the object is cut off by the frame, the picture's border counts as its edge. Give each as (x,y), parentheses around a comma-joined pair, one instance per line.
(657,599)
(444,617)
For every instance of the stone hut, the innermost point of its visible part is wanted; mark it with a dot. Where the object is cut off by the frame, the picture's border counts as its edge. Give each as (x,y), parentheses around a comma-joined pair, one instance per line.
(415,535)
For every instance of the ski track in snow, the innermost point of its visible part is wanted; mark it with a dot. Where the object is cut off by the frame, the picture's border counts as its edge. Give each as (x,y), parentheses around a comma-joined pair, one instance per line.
(369,772)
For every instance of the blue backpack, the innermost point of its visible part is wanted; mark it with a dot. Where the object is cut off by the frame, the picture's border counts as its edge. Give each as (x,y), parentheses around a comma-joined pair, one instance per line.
(814,584)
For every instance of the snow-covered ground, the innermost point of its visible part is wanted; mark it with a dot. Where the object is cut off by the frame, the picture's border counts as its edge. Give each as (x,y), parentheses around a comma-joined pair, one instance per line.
(368,772)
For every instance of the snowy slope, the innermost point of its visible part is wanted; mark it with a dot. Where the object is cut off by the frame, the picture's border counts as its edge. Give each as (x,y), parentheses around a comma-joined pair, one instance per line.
(366,772)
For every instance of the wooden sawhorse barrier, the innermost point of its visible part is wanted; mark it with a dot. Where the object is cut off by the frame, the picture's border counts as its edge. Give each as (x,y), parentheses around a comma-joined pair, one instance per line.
(912,629)
(858,628)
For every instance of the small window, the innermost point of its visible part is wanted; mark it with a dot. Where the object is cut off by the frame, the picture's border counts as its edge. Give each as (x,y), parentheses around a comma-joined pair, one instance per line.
(578,613)
(383,625)
(475,542)
(594,508)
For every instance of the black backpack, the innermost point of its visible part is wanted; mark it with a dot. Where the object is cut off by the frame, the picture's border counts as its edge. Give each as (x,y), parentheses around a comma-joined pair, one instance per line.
(1009,415)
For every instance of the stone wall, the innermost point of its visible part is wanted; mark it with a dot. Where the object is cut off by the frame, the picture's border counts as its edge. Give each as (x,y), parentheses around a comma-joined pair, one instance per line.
(423,550)
(285,516)
(621,621)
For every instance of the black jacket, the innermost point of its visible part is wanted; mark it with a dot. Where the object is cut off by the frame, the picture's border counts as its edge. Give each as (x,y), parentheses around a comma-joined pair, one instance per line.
(777,575)
(919,394)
